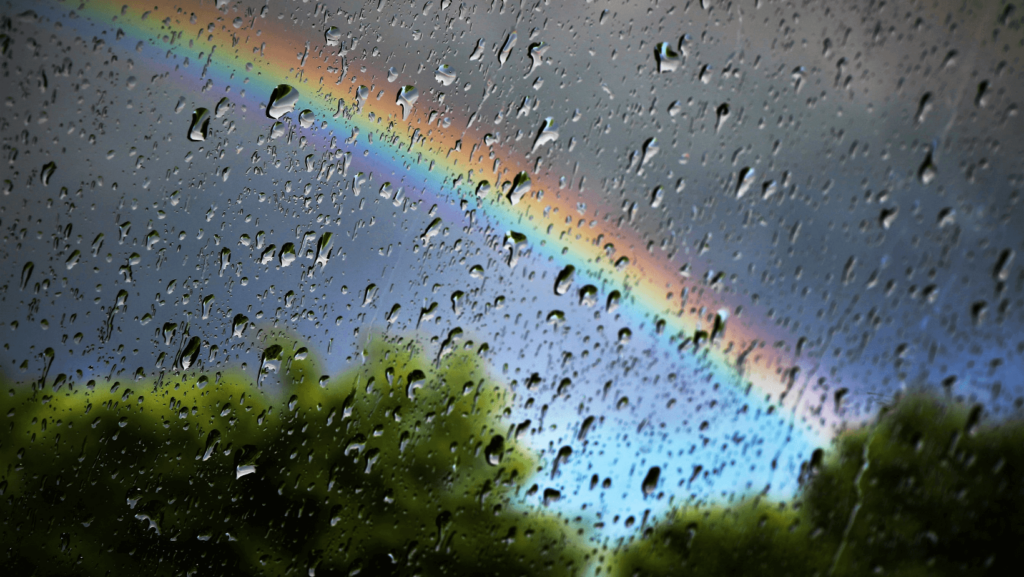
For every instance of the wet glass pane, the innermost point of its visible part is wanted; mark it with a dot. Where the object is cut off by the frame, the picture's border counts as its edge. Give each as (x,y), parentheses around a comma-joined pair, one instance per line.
(512,288)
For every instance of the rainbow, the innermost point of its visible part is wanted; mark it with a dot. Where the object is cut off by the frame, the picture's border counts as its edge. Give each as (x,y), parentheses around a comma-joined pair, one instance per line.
(448,163)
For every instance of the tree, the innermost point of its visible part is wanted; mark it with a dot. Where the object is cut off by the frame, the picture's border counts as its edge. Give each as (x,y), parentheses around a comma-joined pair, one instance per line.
(925,490)
(397,467)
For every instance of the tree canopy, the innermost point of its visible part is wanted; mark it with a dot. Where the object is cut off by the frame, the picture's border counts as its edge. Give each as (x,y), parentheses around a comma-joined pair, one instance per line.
(400,466)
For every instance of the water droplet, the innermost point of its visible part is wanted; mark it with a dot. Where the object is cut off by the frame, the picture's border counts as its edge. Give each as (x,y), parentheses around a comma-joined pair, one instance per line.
(369,294)
(588,295)
(223,107)
(433,229)
(495,450)
(651,148)
(270,360)
(189,355)
(924,108)
(212,441)
(888,217)
(745,181)
(721,113)
(1002,270)
(47,172)
(73,260)
(537,50)
(551,496)
(238,325)
(200,126)
(668,59)
(928,171)
(267,256)
(407,96)
(168,331)
(564,280)
(306,118)
(657,196)
(362,93)
(506,49)
(548,133)
(614,298)
(514,244)
(392,74)
(26,274)
(651,481)
(277,130)
(282,101)
(225,259)
(287,254)
(415,381)
(478,52)
(445,74)
(323,248)
(207,304)
(483,188)
(333,36)
(520,188)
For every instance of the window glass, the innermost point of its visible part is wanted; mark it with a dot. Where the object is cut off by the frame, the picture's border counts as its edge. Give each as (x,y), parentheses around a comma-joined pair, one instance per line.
(499,287)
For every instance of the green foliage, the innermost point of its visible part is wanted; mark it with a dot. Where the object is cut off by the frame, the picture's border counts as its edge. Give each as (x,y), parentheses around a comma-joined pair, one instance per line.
(397,467)
(923,491)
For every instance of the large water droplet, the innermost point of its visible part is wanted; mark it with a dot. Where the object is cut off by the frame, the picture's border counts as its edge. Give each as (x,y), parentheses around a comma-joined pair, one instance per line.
(200,126)
(73,259)
(190,354)
(746,180)
(651,148)
(407,96)
(282,101)
(520,188)
(212,440)
(506,48)
(495,450)
(668,59)
(223,107)
(270,360)
(548,133)
(333,36)
(287,254)
(651,481)
(445,74)
(537,50)
(238,325)
(478,52)
(564,280)
(47,172)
